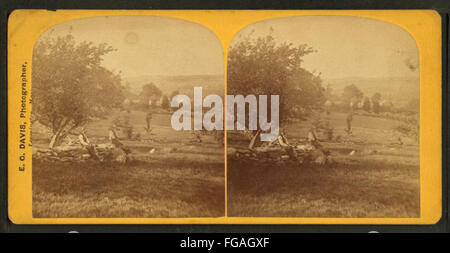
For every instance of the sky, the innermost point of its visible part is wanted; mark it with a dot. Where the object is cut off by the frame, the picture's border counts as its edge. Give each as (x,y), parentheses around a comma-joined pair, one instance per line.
(346,46)
(149,45)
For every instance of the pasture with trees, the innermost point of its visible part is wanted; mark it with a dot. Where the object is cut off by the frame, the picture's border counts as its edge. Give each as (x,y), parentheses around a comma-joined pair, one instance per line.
(104,147)
(335,143)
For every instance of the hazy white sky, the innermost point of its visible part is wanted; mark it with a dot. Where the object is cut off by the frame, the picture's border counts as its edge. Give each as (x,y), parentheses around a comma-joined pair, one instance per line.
(347,46)
(148,45)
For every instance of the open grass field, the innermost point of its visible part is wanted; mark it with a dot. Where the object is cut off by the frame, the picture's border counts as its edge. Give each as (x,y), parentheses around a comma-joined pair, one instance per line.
(181,178)
(381,179)
(185,178)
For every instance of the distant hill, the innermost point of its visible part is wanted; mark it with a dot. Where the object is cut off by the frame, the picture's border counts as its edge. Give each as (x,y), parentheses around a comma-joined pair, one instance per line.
(399,90)
(211,84)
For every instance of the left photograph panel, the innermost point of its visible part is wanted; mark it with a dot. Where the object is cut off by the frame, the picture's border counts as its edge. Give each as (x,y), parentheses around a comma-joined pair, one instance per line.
(106,93)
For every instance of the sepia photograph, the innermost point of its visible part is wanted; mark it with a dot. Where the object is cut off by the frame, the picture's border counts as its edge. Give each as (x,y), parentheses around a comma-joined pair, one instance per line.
(321,116)
(104,93)
(216,120)
(337,134)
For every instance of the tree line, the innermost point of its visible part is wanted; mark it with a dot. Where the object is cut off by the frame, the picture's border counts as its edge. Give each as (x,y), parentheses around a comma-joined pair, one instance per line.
(353,98)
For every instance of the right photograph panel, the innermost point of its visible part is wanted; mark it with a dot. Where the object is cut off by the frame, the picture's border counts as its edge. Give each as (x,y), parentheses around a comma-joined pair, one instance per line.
(323,119)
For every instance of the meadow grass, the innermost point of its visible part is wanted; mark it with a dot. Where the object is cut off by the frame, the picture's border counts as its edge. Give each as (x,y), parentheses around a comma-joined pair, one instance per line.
(139,189)
(367,189)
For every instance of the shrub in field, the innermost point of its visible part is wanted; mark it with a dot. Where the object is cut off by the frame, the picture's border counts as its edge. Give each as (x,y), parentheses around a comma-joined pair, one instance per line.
(376,98)
(122,121)
(165,104)
(410,128)
(366,104)
(323,126)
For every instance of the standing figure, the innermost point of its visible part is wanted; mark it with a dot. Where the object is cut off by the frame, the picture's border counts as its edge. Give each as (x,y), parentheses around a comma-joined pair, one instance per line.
(312,137)
(148,119)
(349,121)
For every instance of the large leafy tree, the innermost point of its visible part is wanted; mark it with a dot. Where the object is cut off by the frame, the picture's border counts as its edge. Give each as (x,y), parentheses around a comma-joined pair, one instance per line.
(352,94)
(376,99)
(150,92)
(366,104)
(165,104)
(261,66)
(70,86)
